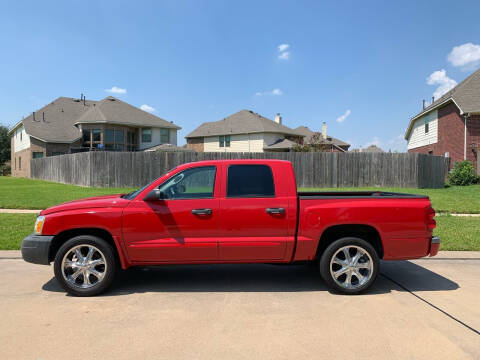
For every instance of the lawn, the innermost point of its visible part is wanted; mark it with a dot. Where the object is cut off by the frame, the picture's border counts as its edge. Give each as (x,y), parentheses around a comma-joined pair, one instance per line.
(454,199)
(20,193)
(456,233)
(13,228)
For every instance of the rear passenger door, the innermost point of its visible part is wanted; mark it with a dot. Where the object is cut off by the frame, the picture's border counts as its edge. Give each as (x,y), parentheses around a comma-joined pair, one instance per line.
(253,219)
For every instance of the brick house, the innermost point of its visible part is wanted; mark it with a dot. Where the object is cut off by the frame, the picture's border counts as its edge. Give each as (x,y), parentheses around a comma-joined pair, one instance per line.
(450,126)
(69,125)
(244,131)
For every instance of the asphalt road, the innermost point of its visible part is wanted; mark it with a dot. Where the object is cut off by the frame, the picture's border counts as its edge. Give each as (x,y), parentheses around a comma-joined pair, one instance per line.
(423,309)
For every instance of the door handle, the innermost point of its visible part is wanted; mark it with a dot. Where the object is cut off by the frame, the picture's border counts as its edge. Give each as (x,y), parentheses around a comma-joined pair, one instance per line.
(202,211)
(275,210)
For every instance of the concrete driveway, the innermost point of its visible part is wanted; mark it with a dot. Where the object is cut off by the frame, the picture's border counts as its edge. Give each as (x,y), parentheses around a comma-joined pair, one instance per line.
(423,309)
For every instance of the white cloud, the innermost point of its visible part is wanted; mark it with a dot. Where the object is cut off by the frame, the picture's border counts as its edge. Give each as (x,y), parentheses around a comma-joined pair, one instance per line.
(116,90)
(441,79)
(274,92)
(466,56)
(342,118)
(283,53)
(147,108)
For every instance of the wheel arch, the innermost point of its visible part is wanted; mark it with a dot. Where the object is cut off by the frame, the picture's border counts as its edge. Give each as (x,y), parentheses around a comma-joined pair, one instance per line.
(362,231)
(63,236)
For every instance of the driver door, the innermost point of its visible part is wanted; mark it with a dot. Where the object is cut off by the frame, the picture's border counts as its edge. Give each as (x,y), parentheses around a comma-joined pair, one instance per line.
(182,226)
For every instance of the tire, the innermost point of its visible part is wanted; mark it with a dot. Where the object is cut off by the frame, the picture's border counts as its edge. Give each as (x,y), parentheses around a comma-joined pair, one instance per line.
(352,276)
(85,265)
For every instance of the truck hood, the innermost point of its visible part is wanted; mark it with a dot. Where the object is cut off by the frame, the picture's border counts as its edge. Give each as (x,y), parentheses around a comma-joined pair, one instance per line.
(106,201)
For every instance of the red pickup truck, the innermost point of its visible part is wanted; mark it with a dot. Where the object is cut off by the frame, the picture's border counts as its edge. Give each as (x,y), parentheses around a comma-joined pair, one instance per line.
(231,211)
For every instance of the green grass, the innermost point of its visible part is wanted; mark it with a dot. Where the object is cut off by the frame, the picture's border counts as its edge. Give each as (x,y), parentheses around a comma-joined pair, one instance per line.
(13,228)
(456,233)
(20,193)
(454,199)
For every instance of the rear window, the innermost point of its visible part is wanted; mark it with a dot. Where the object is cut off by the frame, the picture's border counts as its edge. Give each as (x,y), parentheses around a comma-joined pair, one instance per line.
(250,181)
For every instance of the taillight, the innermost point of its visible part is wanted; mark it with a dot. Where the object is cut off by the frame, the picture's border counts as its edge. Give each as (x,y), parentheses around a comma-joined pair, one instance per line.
(431,223)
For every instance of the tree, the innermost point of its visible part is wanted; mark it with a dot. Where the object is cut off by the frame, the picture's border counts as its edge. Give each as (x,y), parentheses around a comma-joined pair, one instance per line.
(315,144)
(4,145)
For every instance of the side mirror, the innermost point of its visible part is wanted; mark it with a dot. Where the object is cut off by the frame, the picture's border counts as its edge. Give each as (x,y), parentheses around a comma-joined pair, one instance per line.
(154,195)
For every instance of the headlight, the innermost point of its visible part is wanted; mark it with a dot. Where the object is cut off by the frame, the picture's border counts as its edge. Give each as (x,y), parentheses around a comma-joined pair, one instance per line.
(39,225)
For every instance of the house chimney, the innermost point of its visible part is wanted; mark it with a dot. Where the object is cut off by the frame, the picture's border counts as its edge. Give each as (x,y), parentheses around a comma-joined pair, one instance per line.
(278,119)
(423,104)
(433,99)
(324,130)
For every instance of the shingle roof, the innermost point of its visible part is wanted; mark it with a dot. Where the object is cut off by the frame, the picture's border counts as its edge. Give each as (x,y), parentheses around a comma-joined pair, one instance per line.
(55,122)
(329,140)
(114,111)
(466,96)
(281,144)
(242,122)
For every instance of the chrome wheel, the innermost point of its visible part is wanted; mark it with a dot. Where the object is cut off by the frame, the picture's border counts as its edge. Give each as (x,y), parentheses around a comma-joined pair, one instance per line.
(351,267)
(84,266)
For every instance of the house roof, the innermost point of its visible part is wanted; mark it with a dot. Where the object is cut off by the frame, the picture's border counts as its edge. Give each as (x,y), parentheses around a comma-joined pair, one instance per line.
(242,122)
(114,111)
(55,122)
(280,145)
(305,131)
(167,147)
(369,149)
(465,95)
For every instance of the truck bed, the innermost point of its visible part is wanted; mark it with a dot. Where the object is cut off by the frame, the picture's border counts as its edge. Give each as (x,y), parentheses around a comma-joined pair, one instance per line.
(310,195)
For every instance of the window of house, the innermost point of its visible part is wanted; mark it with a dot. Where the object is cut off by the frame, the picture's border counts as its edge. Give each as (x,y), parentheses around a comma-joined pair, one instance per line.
(164,136)
(108,139)
(86,136)
(20,135)
(119,140)
(37,154)
(96,135)
(430,152)
(224,141)
(250,181)
(131,141)
(147,135)
(426,128)
(20,163)
(196,183)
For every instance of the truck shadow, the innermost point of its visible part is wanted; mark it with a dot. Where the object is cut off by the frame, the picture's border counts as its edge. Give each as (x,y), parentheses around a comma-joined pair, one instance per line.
(262,278)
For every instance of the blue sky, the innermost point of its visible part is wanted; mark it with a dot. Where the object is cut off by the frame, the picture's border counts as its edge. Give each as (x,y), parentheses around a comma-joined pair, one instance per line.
(194,61)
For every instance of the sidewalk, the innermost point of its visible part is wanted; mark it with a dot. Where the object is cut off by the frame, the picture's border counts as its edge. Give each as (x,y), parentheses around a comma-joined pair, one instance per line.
(18,211)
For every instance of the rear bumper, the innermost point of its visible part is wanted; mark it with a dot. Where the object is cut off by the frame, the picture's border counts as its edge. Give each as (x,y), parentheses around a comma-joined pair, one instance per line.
(434,245)
(35,249)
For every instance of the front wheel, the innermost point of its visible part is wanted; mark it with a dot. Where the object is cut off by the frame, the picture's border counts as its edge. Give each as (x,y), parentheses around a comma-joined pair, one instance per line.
(85,265)
(349,265)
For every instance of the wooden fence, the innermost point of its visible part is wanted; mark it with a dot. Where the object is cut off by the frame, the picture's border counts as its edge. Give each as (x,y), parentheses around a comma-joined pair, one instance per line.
(134,169)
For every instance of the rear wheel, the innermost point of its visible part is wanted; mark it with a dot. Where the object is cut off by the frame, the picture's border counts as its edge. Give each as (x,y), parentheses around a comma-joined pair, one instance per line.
(85,265)
(349,265)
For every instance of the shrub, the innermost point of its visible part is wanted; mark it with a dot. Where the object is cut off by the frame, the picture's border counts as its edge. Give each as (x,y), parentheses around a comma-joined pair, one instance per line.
(463,174)
(5,170)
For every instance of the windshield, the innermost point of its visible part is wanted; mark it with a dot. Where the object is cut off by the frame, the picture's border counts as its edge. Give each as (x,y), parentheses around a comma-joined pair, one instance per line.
(131,195)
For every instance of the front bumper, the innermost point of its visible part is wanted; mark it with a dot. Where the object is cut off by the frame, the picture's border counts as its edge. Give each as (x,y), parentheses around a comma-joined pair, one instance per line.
(36,248)
(434,245)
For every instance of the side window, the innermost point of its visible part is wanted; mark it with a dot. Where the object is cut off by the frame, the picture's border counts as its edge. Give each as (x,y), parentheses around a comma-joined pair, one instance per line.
(196,183)
(221,141)
(146,135)
(250,181)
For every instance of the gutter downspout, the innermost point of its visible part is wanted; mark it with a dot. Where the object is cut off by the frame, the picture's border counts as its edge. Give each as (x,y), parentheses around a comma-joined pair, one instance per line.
(465,117)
